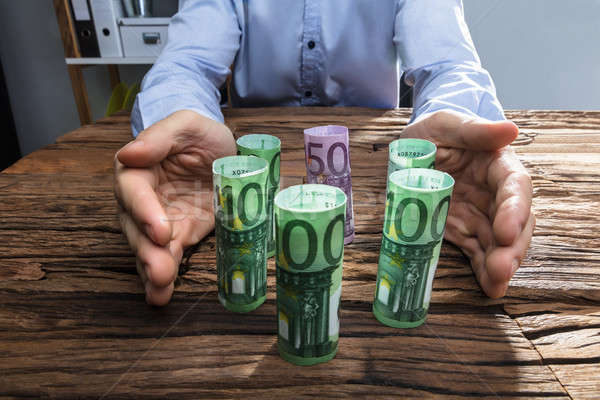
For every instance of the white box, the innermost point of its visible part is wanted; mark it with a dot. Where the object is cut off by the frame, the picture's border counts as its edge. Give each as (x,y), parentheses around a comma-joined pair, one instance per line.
(143,37)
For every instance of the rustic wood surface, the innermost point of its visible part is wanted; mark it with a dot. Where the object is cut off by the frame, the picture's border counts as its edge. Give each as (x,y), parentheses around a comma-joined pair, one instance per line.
(74,324)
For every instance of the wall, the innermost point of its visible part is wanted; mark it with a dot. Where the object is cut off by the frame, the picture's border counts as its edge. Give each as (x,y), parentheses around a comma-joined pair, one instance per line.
(541,53)
(37,80)
(36,74)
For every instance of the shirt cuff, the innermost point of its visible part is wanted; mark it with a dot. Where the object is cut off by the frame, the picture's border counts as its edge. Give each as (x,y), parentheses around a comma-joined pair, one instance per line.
(465,88)
(157,103)
(489,109)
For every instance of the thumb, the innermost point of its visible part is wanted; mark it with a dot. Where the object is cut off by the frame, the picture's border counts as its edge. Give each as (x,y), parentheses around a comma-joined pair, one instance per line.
(156,142)
(484,135)
(453,129)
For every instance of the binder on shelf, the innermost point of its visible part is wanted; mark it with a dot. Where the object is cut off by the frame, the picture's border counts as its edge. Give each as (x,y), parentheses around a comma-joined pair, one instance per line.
(84,28)
(105,14)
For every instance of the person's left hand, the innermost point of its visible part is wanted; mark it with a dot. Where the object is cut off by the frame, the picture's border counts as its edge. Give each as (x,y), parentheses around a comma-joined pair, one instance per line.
(490,216)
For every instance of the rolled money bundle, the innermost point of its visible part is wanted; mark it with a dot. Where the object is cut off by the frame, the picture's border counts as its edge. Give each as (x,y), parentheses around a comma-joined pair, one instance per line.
(269,148)
(415,219)
(328,162)
(411,153)
(309,226)
(240,205)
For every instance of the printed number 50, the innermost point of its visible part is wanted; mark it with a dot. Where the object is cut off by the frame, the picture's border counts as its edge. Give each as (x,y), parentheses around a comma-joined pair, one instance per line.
(330,154)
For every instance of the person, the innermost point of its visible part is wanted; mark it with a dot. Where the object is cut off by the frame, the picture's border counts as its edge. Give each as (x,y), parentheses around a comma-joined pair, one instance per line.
(307,53)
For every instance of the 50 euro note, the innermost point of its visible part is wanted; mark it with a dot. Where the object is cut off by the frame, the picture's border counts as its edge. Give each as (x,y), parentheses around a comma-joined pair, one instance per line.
(328,162)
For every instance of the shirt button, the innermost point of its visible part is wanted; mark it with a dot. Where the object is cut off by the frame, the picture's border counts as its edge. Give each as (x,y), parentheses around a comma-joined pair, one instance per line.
(311,44)
(308,93)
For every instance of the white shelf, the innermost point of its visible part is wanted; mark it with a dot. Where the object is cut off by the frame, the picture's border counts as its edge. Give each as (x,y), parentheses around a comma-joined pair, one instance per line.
(110,60)
(144,21)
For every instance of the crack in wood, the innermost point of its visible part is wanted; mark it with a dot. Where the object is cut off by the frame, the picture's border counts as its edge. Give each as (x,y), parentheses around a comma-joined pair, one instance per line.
(533,346)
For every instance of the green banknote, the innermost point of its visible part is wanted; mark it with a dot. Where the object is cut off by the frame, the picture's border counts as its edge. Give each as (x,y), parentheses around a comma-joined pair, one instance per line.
(241,227)
(415,219)
(411,153)
(269,148)
(309,227)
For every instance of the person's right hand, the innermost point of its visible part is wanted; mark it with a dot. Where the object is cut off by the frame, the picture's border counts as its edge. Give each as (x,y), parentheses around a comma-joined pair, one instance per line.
(163,185)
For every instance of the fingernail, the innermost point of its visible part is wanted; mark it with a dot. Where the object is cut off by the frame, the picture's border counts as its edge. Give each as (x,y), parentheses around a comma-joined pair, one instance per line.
(515,266)
(133,145)
(504,290)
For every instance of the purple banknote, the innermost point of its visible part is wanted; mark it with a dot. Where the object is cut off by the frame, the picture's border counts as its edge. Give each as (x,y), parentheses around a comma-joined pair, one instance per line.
(328,162)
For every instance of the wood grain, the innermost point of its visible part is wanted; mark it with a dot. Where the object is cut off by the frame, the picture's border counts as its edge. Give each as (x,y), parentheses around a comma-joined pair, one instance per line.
(66,28)
(567,336)
(80,94)
(70,334)
(74,324)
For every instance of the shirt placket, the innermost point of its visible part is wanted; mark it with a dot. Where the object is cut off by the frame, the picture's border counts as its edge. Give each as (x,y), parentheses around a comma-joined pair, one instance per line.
(311,53)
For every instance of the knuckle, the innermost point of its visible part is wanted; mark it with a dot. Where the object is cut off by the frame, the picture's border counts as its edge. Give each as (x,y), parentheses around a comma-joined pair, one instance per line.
(187,120)
(144,261)
(442,120)
(524,180)
(437,118)
(139,199)
(130,234)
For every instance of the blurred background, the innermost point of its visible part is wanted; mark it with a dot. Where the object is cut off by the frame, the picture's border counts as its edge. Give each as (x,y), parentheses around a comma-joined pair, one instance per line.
(542,54)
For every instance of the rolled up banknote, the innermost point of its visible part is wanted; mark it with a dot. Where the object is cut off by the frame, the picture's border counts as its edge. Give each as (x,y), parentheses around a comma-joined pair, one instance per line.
(240,205)
(309,221)
(269,148)
(328,162)
(411,153)
(415,219)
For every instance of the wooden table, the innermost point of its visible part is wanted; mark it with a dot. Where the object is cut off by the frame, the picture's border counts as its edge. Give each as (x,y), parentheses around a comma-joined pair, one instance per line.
(73,321)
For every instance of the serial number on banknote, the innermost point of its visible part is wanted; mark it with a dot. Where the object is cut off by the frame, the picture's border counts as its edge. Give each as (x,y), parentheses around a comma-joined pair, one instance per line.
(238,172)
(410,154)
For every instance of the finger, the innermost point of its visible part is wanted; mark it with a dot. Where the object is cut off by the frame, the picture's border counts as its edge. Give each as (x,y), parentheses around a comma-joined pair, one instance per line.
(468,190)
(492,289)
(192,216)
(155,295)
(141,271)
(159,263)
(512,205)
(135,192)
(151,146)
(195,229)
(454,129)
(469,221)
(503,261)
(163,138)
(471,247)
(158,296)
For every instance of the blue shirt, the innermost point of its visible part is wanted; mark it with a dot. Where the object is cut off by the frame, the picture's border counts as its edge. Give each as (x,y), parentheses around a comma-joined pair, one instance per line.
(317,52)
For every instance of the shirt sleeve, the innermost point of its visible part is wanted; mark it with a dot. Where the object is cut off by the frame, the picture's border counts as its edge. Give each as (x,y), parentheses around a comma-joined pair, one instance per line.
(203,39)
(440,62)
